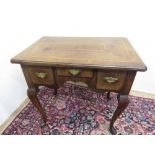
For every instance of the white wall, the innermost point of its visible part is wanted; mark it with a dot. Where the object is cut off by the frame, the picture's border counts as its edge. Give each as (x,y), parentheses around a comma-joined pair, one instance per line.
(24,21)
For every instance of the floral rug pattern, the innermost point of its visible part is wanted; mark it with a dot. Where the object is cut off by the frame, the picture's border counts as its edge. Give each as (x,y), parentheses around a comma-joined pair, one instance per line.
(77,110)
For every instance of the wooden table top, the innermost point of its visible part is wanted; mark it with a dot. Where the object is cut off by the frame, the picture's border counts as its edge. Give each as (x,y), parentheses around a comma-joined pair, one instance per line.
(88,52)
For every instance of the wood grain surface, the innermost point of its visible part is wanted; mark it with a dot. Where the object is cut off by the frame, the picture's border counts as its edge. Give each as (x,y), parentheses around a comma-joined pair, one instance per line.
(110,53)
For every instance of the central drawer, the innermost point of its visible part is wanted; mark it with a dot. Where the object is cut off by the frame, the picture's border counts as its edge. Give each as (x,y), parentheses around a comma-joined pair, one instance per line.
(72,72)
(75,75)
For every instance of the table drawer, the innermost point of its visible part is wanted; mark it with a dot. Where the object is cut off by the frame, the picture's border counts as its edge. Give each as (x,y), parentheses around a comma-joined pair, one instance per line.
(71,72)
(41,75)
(110,80)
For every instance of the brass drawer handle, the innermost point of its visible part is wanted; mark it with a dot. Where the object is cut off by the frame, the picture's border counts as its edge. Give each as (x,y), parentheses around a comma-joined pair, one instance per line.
(110,79)
(41,75)
(74,71)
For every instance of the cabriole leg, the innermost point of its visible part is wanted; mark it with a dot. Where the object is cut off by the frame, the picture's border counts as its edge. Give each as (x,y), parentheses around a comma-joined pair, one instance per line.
(123,102)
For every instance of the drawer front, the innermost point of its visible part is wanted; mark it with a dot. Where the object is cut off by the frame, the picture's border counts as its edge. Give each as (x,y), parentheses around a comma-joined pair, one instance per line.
(90,82)
(110,80)
(41,75)
(71,72)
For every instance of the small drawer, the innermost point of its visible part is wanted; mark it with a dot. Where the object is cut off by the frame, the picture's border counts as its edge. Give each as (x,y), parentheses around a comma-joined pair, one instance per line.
(71,72)
(110,80)
(41,75)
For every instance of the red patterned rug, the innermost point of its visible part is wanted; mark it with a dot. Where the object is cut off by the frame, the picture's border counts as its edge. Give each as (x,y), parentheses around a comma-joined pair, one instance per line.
(79,111)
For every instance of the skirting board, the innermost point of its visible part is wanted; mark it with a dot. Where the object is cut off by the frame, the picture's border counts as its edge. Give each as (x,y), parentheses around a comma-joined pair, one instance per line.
(13,115)
(142,94)
(26,101)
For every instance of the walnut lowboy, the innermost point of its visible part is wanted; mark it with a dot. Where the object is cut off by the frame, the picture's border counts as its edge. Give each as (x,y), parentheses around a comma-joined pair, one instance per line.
(104,64)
